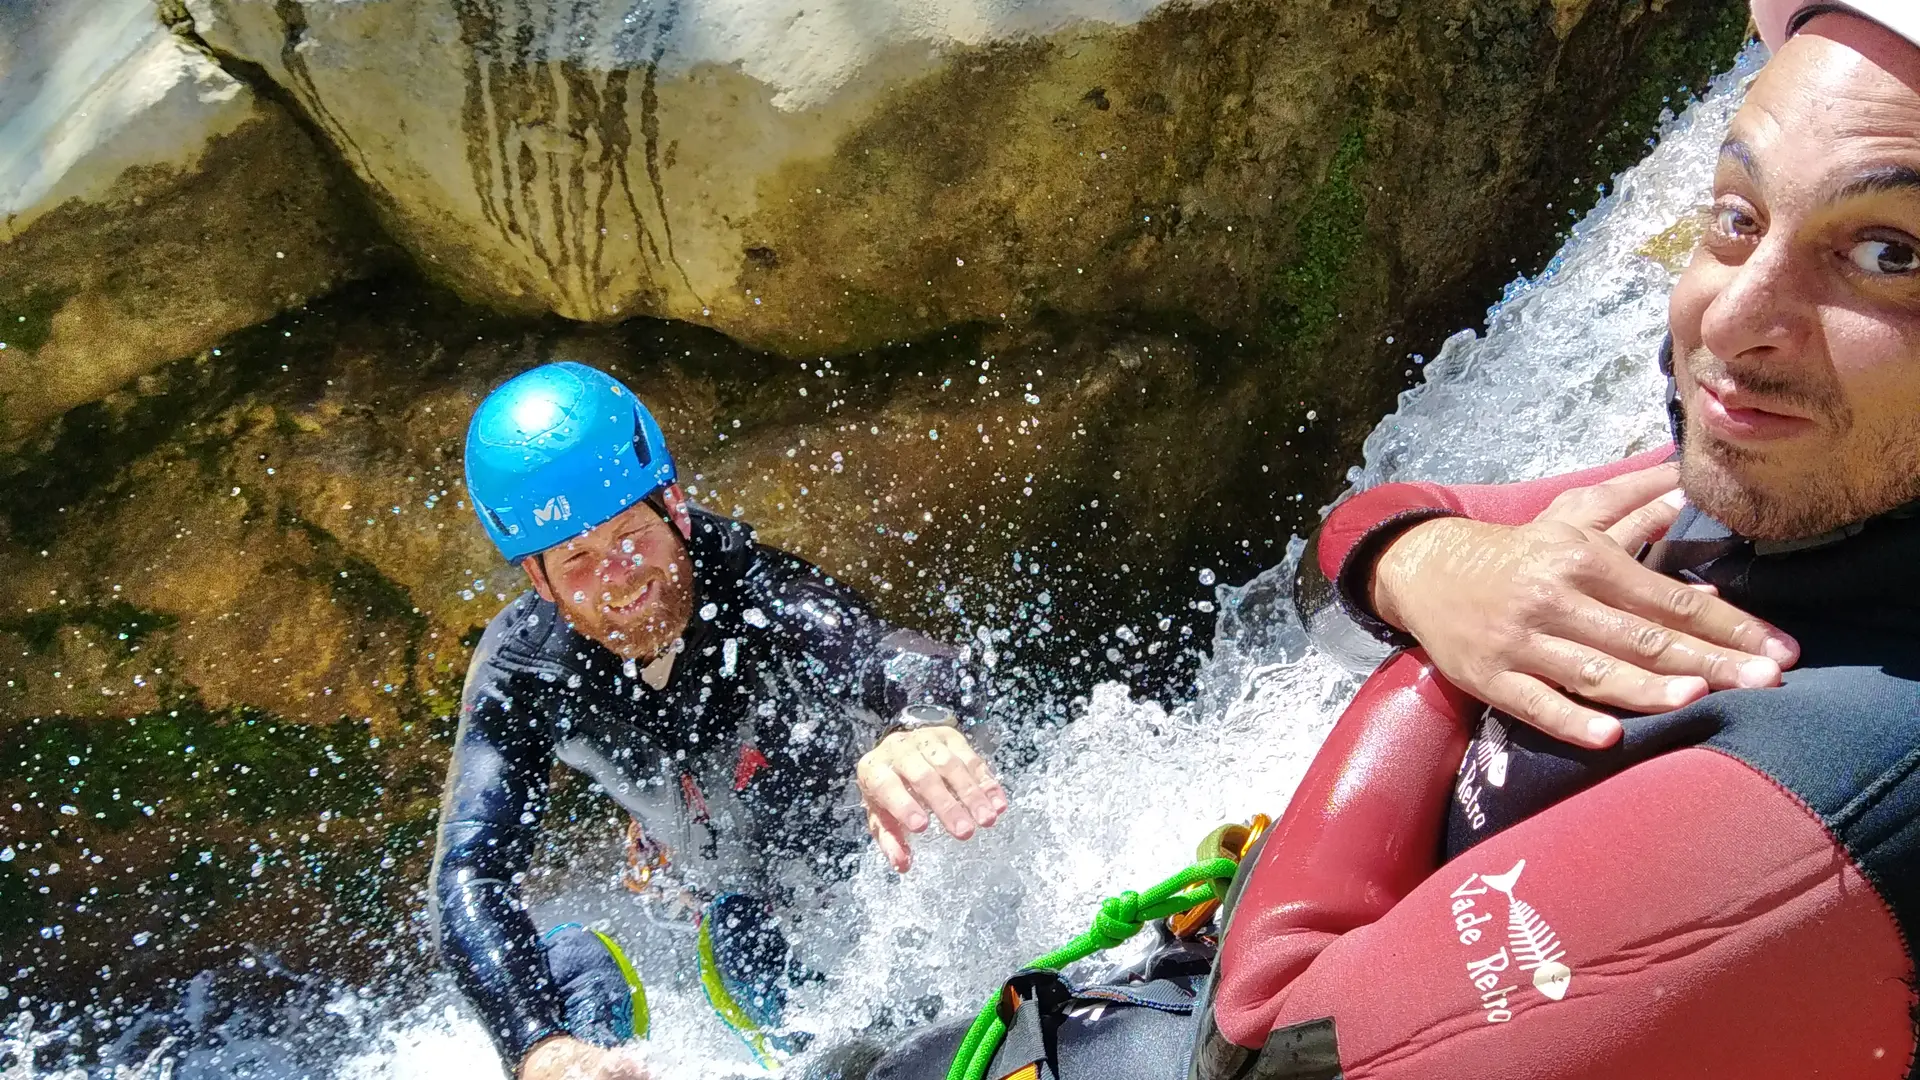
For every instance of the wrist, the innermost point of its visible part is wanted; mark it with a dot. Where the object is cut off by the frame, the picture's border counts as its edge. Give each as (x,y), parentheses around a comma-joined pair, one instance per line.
(1398,569)
(921,715)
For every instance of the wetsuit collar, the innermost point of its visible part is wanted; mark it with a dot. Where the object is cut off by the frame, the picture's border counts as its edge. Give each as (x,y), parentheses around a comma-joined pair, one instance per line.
(1697,539)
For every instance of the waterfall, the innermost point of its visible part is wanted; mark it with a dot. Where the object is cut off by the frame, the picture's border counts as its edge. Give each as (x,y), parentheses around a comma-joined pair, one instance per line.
(1563,377)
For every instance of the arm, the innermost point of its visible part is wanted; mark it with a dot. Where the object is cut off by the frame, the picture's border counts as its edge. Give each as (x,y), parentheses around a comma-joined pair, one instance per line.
(496,794)
(1686,917)
(1358,530)
(855,656)
(1553,619)
(907,778)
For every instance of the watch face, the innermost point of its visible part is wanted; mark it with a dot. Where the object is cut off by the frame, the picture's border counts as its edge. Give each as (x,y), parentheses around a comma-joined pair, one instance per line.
(927,714)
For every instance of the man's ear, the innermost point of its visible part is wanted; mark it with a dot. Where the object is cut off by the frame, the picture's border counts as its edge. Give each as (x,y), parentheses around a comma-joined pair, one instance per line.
(537,572)
(675,500)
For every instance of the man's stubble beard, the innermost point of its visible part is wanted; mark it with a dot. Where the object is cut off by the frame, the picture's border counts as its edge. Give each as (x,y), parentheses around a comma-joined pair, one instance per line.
(669,622)
(1729,483)
(1803,505)
(655,632)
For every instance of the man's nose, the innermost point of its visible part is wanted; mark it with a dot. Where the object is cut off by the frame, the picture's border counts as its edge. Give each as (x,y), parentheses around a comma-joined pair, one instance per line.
(1764,307)
(617,568)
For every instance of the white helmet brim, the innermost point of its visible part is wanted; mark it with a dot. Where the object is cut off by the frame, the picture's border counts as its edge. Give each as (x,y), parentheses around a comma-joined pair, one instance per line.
(1778,20)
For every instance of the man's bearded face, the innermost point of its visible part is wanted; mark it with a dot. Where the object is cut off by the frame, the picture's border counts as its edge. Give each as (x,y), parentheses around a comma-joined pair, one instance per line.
(1797,326)
(627,584)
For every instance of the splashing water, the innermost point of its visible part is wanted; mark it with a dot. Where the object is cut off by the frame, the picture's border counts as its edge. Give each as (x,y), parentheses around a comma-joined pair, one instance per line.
(1564,377)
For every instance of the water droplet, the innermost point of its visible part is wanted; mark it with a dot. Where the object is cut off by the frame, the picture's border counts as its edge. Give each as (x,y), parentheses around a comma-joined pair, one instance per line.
(1206,576)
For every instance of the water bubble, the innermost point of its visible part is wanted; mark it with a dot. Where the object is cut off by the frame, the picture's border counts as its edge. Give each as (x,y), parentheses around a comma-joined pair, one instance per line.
(1206,576)
(7,853)
(140,939)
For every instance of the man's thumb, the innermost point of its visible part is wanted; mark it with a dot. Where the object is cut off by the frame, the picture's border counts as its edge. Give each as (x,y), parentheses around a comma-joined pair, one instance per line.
(1649,523)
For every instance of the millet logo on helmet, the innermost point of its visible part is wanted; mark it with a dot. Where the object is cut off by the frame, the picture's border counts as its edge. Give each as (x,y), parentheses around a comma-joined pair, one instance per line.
(555,510)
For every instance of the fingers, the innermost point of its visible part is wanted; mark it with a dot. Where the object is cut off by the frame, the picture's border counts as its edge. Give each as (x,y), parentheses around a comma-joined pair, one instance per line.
(1536,704)
(934,770)
(1609,680)
(1648,523)
(982,776)
(882,789)
(925,769)
(1604,504)
(966,775)
(1699,628)
(891,836)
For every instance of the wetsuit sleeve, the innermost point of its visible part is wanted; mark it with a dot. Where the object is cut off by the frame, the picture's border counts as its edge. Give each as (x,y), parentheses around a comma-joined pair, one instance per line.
(496,795)
(1358,530)
(1686,917)
(853,656)
(1361,831)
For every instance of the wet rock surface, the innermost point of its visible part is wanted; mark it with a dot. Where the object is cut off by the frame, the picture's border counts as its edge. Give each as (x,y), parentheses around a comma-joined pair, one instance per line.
(150,204)
(810,178)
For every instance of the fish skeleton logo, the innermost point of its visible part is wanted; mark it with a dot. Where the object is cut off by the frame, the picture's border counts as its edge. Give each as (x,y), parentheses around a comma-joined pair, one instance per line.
(1485,767)
(555,510)
(1534,943)
(1531,944)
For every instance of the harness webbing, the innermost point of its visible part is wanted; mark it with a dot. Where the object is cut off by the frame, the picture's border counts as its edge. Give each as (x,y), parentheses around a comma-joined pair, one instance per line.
(1120,918)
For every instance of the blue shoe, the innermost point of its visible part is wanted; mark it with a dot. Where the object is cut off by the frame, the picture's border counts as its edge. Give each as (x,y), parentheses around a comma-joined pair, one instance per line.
(743,955)
(605,1000)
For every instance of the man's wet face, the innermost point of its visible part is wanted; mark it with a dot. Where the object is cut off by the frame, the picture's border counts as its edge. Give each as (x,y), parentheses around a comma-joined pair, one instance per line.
(1797,326)
(627,584)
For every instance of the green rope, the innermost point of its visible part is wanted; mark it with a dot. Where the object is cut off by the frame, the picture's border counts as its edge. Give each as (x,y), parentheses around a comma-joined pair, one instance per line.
(1120,918)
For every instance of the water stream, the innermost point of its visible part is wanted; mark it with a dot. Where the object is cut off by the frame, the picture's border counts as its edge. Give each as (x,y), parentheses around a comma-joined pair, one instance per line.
(1563,377)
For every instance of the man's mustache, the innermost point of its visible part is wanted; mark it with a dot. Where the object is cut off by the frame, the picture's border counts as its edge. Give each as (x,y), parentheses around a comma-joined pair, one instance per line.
(1816,398)
(658,579)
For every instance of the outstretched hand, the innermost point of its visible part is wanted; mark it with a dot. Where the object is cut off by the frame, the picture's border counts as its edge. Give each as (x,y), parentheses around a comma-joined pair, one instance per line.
(1528,618)
(915,776)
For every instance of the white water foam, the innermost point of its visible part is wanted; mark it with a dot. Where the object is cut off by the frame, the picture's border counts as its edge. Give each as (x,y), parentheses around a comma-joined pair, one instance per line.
(1564,377)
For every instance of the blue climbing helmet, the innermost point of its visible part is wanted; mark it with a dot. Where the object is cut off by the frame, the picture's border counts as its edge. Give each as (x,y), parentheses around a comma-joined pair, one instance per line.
(558,450)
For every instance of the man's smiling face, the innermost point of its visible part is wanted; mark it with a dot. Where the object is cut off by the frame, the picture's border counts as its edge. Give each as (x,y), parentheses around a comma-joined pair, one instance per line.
(627,584)
(1797,326)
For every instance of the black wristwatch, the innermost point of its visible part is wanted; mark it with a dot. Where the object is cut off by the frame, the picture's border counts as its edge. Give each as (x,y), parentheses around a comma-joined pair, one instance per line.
(924,714)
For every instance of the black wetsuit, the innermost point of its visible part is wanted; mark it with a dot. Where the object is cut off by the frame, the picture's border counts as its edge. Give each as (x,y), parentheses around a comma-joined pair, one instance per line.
(744,758)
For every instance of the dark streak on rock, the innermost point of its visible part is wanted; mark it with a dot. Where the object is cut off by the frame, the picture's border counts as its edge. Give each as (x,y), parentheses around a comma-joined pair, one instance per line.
(583,111)
(293,18)
(650,135)
(528,167)
(478,28)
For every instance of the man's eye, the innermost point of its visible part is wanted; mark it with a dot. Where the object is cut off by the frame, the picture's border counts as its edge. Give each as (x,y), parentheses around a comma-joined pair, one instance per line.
(1884,257)
(1733,221)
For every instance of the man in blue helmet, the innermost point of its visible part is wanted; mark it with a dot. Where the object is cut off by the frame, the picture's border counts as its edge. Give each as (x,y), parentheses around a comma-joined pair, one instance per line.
(724,693)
